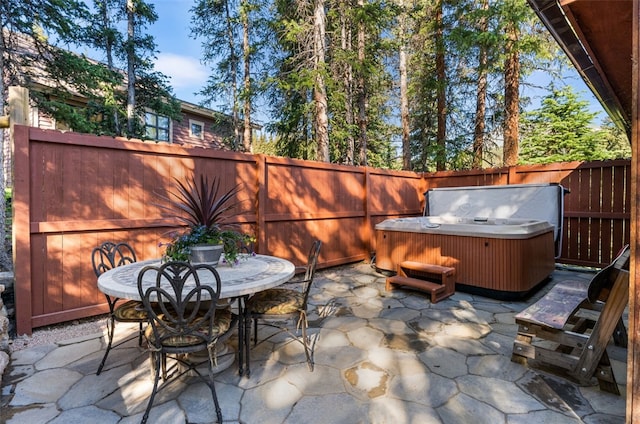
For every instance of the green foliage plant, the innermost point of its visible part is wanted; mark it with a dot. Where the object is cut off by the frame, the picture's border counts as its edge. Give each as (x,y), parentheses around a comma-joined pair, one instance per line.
(563,130)
(198,204)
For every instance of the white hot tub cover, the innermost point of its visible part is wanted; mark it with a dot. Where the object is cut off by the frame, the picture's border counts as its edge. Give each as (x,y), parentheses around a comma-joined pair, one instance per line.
(543,202)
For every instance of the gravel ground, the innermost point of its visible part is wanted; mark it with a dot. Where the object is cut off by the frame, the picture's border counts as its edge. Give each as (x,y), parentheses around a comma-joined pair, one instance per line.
(59,332)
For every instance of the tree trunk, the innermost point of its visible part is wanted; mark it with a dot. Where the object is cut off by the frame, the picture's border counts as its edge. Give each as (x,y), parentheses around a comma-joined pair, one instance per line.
(321,120)
(345,44)
(511,99)
(247,141)
(131,74)
(481,97)
(404,96)
(235,119)
(441,137)
(108,48)
(362,91)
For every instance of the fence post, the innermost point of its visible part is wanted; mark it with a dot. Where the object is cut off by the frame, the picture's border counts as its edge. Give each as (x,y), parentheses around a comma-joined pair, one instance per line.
(261,170)
(512,175)
(21,234)
(367,212)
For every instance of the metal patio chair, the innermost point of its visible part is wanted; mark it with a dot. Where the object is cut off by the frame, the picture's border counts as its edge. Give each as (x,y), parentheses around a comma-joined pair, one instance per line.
(276,306)
(182,321)
(105,257)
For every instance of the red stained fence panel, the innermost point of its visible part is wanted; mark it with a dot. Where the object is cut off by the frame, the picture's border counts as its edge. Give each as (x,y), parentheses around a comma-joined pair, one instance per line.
(73,191)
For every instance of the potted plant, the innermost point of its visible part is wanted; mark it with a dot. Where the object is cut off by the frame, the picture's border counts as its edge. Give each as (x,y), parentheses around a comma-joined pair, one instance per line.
(198,204)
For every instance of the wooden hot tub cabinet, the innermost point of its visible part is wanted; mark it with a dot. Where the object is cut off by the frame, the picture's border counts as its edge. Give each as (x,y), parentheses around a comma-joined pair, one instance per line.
(502,268)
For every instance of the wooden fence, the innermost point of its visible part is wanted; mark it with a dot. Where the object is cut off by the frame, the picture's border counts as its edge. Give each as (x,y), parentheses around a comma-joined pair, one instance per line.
(73,191)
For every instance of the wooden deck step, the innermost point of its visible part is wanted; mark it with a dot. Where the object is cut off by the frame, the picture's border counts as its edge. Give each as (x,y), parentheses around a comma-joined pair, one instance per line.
(438,281)
(415,283)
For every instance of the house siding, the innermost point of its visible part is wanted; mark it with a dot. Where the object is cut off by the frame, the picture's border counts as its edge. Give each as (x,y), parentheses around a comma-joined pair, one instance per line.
(214,132)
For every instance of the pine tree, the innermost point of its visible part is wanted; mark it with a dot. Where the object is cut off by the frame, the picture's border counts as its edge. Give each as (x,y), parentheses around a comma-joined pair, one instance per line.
(146,88)
(25,52)
(522,44)
(562,130)
(229,31)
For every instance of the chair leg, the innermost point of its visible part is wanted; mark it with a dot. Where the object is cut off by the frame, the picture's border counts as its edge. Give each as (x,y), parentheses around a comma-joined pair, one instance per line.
(212,387)
(111,323)
(255,331)
(140,332)
(244,337)
(302,325)
(157,358)
(241,340)
(247,344)
(305,341)
(163,359)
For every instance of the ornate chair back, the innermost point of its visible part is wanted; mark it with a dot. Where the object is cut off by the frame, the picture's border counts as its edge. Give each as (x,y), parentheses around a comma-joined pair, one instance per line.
(183,317)
(110,255)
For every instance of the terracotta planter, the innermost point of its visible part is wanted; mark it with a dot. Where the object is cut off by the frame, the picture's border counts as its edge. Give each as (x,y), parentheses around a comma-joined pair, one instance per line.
(206,254)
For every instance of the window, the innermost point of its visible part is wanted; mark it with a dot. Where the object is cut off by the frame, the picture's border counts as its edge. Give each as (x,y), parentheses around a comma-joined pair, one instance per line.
(196,129)
(156,127)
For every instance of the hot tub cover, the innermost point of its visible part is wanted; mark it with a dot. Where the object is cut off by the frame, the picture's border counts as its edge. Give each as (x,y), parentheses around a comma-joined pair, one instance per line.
(543,202)
(512,228)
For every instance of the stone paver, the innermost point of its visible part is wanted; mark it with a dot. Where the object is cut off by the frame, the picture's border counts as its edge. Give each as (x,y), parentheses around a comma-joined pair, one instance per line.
(379,358)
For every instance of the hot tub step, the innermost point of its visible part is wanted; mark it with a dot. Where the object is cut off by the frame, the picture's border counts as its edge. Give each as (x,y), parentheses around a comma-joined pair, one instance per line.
(415,283)
(438,280)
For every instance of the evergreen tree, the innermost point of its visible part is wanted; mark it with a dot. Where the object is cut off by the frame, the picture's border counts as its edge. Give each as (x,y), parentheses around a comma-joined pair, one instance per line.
(438,87)
(484,46)
(360,97)
(422,87)
(216,23)
(524,46)
(475,47)
(25,51)
(342,93)
(290,86)
(146,88)
(44,49)
(353,70)
(319,90)
(233,37)
(28,54)
(611,141)
(298,94)
(402,38)
(562,130)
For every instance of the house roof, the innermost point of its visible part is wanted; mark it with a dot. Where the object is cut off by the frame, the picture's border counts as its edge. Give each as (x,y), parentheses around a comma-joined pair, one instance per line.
(596,35)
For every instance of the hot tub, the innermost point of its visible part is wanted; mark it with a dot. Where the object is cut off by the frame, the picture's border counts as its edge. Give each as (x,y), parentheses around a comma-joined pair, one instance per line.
(494,254)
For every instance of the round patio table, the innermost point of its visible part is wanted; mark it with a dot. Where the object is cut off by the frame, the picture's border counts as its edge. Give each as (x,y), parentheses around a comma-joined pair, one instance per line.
(253,273)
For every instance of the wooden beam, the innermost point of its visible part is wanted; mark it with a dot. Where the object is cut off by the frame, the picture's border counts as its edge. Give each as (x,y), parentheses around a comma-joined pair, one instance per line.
(633,358)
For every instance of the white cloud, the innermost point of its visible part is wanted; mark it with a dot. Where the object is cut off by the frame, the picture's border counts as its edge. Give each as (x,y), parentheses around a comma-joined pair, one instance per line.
(184,71)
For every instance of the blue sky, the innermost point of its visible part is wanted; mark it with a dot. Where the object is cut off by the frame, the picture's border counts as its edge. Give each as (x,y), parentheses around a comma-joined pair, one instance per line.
(179,57)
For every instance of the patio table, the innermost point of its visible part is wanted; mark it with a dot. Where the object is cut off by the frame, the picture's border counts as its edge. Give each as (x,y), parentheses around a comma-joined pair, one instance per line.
(253,273)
